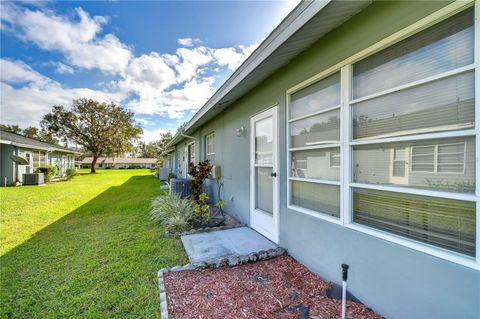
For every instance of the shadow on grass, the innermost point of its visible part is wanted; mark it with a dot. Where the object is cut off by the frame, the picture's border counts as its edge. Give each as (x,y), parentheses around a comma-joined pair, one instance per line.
(99,261)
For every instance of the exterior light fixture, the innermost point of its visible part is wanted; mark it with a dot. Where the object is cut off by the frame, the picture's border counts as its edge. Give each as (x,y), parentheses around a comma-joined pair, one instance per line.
(240,131)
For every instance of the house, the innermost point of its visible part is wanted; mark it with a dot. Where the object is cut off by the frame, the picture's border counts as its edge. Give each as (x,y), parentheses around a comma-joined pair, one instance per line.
(35,152)
(351,135)
(119,162)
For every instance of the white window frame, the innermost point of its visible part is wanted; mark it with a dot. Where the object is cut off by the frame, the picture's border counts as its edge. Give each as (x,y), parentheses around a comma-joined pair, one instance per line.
(347,143)
(210,145)
(322,145)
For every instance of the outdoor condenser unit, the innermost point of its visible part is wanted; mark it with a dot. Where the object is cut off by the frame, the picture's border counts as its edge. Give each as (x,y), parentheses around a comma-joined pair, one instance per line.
(33,179)
(181,187)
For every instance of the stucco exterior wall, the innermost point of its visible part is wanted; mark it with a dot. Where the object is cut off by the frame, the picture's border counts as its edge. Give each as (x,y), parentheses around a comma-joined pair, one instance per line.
(7,167)
(396,281)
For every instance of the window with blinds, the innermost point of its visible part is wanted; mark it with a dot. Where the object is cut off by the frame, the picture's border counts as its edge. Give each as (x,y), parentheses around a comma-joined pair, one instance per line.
(446,223)
(314,147)
(424,84)
(210,147)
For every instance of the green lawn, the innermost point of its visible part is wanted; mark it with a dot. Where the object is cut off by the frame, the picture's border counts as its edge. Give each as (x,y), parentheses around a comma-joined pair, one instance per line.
(83,248)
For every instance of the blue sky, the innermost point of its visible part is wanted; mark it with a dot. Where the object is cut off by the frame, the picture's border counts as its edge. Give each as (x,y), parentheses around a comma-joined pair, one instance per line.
(160,59)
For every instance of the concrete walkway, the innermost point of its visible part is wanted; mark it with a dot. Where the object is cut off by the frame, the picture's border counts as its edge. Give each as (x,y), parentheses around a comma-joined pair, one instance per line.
(235,242)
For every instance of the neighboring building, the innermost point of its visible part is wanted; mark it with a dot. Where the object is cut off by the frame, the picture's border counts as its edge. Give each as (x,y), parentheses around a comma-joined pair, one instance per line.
(120,162)
(352,135)
(35,152)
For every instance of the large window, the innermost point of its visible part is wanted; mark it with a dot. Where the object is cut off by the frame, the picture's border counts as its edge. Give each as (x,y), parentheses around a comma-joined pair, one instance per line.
(403,164)
(314,148)
(210,147)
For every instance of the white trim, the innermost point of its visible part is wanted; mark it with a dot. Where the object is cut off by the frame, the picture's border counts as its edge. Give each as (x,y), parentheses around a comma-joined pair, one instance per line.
(416,191)
(410,85)
(477,123)
(315,214)
(313,180)
(345,150)
(417,245)
(415,137)
(329,109)
(316,147)
(273,234)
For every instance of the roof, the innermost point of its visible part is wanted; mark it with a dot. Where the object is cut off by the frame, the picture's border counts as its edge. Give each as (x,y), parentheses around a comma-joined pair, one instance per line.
(26,142)
(120,160)
(303,26)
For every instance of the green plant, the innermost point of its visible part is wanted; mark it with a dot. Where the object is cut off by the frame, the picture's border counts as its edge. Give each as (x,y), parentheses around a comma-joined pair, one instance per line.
(49,171)
(199,173)
(201,208)
(71,173)
(220,203)
(172,211)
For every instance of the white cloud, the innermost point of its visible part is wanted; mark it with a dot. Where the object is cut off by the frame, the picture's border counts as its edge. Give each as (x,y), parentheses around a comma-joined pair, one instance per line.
(152,135)
(17,72)
(153,83)
(64,69)
(232,57)
(26,105)
(189,42)
(189,60)
(76,39)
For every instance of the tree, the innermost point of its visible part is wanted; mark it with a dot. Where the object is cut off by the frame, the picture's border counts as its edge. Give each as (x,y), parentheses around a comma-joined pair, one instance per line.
(14,128)
(153,149)
(146,150)
(104,129)
(31,132)
(46,136)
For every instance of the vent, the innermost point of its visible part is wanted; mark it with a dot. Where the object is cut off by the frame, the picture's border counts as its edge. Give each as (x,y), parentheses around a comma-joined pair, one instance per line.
(181,187)
(33,179)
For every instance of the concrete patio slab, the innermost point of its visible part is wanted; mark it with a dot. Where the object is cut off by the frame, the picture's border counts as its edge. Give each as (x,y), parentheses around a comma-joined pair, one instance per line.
(242,241)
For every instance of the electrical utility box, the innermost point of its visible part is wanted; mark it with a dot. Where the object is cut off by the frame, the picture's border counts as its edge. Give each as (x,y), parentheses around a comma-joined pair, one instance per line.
(216,172)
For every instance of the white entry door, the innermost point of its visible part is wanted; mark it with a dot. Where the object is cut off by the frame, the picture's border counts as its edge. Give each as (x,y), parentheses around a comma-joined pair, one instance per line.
(264,175)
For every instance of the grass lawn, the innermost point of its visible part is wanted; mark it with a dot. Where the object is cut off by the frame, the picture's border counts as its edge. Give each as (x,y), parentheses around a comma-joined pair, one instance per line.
(83,248)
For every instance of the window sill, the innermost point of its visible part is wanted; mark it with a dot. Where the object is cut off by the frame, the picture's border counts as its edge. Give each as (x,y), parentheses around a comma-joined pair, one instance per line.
(315,214)
(417,246)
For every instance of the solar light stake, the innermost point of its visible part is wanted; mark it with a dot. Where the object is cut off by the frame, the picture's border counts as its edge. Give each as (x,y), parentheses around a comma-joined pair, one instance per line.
(344,289)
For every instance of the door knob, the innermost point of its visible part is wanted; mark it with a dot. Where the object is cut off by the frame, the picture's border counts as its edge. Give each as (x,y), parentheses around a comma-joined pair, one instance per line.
(273,174)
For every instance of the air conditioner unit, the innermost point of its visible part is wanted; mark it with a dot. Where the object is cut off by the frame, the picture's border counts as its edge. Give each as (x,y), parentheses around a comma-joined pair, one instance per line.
(33,179)
(181,187)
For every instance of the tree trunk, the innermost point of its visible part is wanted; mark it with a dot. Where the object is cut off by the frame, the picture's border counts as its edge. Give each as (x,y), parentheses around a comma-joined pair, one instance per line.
(94,162)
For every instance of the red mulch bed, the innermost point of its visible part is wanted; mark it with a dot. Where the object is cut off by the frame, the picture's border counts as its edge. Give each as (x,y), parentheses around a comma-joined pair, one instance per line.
(275,288)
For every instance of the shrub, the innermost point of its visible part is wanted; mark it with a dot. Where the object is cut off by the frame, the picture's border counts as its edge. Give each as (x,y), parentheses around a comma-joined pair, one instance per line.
(172,211)
(201,208)
(71,173)
(49,171)
(199,173)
